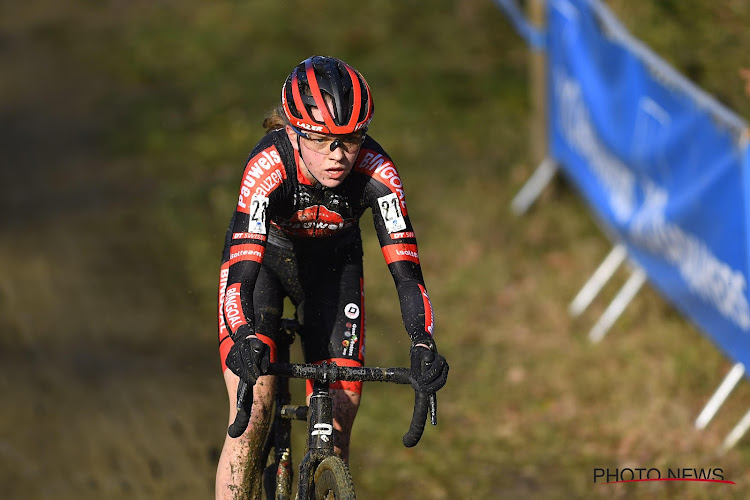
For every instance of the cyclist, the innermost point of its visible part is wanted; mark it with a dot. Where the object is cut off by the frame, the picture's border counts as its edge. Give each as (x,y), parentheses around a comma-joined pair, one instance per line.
(295,233)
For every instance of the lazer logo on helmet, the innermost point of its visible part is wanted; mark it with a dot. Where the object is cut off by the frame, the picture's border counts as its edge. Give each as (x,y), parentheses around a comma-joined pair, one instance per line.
(307,126)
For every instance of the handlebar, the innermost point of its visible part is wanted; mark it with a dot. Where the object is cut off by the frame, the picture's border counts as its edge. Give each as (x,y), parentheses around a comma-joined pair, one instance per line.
(331,372)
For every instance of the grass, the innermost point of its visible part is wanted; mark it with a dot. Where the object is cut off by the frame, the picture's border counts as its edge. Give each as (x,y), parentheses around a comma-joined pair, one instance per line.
(130,125)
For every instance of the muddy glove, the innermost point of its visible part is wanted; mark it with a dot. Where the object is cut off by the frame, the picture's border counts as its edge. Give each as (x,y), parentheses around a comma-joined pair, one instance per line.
(249,358)
(429,370)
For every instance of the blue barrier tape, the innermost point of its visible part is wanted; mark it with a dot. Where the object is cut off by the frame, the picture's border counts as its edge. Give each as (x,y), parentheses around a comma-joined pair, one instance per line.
(660,162)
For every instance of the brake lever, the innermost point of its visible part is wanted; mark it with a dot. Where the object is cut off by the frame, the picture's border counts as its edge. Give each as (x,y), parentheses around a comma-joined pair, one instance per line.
(242,419)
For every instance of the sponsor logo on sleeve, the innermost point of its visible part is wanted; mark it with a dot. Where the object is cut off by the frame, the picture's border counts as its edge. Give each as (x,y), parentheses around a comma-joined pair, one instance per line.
(263,173)
(248,236)
(381,168)
(395,253)
(403,236)
(223,277)
(429,322)
(248,251)
(233,307)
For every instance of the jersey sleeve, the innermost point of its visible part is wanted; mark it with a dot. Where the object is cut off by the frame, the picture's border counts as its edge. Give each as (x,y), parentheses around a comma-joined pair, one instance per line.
(245,242)
(386,197)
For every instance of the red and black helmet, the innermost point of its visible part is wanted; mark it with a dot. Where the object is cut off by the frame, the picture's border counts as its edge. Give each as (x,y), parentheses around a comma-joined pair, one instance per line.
(316,77)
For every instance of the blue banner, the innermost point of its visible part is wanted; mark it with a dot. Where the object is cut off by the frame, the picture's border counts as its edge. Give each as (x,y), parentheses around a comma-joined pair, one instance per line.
(661,164)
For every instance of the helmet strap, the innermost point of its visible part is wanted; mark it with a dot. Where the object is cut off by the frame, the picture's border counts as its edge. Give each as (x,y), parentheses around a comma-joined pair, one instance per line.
(299,147)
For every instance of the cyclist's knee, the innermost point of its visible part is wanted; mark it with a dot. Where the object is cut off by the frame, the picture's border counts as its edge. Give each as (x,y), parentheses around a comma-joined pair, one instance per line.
(345,406)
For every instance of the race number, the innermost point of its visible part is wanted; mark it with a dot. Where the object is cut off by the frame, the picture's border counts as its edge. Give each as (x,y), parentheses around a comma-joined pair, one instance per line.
(390,209)
(258,207)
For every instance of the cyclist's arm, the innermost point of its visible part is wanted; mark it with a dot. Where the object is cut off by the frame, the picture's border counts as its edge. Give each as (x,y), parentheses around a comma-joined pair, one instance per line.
(399,246)
(245,243)
(242,259)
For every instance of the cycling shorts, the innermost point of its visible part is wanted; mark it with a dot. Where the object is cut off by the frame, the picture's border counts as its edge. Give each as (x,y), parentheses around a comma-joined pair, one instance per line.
(326,287)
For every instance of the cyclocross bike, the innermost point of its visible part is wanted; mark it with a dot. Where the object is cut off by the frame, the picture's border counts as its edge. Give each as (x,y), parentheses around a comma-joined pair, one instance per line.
(322,474)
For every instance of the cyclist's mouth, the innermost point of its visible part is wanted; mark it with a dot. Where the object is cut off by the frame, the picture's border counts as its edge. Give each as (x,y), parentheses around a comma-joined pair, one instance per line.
(335,173)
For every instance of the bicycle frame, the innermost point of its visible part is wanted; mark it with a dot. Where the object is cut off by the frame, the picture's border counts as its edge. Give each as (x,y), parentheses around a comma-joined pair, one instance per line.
(319,417)
(277,477)
(319,437)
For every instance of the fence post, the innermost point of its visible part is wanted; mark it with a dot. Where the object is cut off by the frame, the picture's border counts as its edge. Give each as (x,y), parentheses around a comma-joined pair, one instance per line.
(737,432)
(538,147)
(597,280)
(618,305)
(534,186)
(721,394)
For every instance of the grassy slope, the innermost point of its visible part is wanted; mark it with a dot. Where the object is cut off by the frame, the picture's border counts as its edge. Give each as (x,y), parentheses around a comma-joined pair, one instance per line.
(168,97)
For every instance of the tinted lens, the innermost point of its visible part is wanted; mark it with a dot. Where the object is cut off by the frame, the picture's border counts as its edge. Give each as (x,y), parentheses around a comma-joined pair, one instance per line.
(322,144)
(319,144)
(353,140)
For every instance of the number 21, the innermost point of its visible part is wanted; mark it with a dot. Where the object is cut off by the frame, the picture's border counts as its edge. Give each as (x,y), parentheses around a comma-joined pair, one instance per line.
(387,209)
(259,211)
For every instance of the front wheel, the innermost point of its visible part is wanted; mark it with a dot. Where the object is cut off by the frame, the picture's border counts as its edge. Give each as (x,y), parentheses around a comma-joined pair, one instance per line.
(333,480)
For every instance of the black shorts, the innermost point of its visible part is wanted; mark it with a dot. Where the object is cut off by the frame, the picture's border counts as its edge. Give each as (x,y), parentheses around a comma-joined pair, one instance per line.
(326,287)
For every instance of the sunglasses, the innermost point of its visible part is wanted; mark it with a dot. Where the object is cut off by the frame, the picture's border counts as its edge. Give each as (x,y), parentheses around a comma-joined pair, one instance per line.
(328,143)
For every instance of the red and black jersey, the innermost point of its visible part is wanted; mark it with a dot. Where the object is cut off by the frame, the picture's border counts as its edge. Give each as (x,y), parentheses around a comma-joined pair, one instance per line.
(277,205)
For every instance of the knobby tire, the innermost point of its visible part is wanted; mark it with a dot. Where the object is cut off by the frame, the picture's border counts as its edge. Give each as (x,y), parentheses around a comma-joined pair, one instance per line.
(333,481)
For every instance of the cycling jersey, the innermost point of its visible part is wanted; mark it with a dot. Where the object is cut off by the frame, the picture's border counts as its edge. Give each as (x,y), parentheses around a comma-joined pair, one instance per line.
(281,215)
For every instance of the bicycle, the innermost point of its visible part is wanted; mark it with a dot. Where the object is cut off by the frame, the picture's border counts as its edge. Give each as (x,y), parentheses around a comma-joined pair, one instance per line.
(322,474)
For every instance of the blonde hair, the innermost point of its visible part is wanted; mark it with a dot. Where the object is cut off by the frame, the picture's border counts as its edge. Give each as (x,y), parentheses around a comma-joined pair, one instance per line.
(275,120)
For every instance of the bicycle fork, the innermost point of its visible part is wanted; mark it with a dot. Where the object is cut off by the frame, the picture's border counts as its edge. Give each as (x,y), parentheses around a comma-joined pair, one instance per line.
(320,437)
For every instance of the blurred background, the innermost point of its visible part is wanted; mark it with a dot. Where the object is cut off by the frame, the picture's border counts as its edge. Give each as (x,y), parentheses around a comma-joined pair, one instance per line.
(124,127)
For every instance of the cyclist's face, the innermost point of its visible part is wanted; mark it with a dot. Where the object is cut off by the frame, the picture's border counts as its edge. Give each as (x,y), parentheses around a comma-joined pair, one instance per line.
(319,162)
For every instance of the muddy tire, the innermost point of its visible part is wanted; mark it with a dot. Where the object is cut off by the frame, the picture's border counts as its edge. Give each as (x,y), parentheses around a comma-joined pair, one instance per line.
(333,481)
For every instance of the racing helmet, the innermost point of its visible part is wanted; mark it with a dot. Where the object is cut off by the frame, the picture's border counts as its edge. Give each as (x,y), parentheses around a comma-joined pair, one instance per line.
(317,77)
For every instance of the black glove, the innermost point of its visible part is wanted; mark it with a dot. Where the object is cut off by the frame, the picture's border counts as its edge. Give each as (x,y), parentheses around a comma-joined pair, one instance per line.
(429,370)
(249,358)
